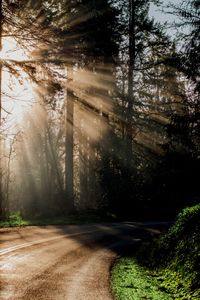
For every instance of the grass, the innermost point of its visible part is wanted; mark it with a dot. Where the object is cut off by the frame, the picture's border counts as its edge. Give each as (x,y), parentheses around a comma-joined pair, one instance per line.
(133,282)
(16,220)
(169,264)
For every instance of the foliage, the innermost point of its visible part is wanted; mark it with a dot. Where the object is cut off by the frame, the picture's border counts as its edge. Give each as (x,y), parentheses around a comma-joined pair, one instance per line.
(188,13)
(16,220)
(174,182)
(170,262)
(131,281)
(178,250)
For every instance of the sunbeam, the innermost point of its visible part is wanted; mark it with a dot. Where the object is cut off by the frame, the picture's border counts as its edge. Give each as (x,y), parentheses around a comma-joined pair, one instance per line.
(17,89)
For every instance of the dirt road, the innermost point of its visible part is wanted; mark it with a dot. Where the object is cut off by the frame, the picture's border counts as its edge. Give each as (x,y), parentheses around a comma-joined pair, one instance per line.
(63,262)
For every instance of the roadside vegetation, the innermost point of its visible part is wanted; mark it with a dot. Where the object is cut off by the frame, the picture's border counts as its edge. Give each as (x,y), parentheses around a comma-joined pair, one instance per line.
(165,268)
(15,219)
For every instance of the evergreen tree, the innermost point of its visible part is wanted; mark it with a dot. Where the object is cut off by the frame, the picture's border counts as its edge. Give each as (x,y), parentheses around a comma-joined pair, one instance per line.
(88,48)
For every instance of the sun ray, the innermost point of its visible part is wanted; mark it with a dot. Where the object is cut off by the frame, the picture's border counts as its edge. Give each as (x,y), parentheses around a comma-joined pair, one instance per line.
(17,89)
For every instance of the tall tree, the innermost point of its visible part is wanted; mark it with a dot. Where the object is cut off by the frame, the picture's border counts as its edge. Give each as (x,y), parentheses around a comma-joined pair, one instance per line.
(1,190)
(69,142)
(90,54)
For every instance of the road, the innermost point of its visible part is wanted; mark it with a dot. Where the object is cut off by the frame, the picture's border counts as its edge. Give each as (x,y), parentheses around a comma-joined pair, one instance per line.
(63,262)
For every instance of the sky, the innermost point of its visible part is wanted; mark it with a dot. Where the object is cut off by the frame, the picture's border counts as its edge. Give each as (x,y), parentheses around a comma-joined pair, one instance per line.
(162,17)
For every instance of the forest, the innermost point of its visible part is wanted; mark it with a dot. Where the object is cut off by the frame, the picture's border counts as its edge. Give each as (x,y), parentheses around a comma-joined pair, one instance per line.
(99,108)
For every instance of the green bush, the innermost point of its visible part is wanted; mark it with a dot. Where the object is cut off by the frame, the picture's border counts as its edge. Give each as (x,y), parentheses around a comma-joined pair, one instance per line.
(169,264)
(13,219)
(175,256)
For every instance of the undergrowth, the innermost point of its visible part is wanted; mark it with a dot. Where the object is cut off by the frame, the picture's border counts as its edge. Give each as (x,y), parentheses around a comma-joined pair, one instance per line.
(170,262)
(15,219)
(133,282)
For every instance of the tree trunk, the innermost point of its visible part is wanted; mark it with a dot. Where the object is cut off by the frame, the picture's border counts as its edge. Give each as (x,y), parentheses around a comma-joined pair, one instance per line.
(132,54)
(69,144)
(54,162)
(2,210)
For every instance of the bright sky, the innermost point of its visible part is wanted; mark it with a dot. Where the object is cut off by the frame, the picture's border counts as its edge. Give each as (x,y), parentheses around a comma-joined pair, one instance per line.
(162,17)
(17,93)
(11,50)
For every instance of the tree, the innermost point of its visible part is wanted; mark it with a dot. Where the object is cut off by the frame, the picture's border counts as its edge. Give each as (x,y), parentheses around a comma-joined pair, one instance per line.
(26,23)
(2,212)
(190,63)
(69,143)
(91,62)
(133,126)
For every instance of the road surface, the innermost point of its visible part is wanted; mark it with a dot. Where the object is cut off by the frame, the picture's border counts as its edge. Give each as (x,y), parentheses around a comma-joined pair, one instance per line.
(63,262)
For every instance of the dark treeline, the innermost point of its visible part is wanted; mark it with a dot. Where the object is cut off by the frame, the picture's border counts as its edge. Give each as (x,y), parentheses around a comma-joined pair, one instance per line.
(115,124)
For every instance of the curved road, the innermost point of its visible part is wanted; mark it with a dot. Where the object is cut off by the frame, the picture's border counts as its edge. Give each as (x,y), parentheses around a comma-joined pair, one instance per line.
(63,262)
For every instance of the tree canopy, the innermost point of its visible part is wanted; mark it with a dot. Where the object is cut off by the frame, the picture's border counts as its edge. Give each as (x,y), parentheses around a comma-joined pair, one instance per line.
(113,121)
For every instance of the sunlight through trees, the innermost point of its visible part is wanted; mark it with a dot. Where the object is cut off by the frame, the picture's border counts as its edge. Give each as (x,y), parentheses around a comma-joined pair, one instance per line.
(99,108)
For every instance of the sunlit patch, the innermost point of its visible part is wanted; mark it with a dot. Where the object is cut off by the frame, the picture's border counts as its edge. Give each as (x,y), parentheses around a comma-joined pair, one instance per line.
(36,120)
(11,50)
(17,89)
(92,125)
(17,97)
(8,263)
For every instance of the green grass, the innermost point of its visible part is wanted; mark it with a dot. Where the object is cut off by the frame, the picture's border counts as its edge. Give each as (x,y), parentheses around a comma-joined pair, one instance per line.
(15,220)
(168,264)
(129,281)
